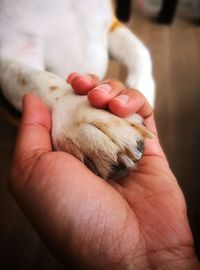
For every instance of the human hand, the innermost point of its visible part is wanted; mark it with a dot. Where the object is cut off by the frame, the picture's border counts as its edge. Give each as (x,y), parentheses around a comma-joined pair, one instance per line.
(137,222)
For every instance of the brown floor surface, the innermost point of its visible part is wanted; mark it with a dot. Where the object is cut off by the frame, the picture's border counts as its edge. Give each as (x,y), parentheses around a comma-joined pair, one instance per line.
(175,52)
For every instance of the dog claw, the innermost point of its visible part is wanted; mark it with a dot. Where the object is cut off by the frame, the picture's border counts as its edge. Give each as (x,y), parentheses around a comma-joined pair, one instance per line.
(140,146)
(124,165)
(124,159)
(88,162)
(135,153)
(117,171)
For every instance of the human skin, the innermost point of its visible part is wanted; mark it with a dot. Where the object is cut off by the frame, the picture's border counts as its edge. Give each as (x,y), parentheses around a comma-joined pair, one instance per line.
(137,222)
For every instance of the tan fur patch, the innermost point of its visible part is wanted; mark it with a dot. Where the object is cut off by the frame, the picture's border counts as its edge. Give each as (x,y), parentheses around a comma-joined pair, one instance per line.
(105,126)
(53,88)
(72,148)
(115,24)
(57,98)
(101,125)
(144,130)
(22,80)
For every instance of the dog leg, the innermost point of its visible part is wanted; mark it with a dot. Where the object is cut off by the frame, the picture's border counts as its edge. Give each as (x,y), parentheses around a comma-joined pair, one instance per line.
(109,145)
(125,47)
(22,71)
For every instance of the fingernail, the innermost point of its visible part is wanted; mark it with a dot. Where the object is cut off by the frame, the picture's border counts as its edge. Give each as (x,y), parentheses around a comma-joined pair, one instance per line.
(122,98)
(87,77)
(104,88)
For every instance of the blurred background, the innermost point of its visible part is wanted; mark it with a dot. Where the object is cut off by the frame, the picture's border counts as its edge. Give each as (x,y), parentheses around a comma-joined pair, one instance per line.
(171,31)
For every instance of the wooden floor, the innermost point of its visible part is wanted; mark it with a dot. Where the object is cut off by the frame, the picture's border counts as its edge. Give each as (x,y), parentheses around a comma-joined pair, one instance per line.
(176,57)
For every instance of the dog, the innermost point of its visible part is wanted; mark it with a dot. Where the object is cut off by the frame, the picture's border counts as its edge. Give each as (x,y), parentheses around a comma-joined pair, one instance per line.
(44,41)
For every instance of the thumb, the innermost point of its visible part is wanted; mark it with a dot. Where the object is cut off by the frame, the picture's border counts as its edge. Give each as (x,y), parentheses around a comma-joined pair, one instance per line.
(33,139)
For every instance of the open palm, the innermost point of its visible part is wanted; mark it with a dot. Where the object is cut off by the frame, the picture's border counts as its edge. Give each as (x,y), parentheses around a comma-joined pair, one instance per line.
(138,222)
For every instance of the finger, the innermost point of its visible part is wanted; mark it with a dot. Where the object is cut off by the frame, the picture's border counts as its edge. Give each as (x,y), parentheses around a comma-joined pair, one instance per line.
(34,134)
(81,84)
(128,102)
(131,101)
(101,95)
(71,76)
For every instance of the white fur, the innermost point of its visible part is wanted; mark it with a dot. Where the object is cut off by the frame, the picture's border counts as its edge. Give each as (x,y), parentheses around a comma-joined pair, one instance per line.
(42,42)
(128,49)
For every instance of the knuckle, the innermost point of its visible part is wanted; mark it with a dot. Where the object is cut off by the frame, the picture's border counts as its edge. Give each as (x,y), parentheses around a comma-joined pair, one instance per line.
(94,76)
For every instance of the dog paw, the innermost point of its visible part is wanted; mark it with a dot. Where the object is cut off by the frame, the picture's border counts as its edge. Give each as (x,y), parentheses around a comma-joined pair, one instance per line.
(110,146)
